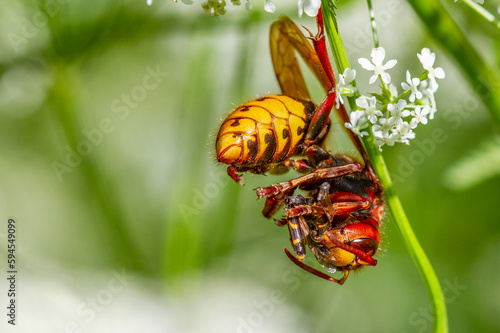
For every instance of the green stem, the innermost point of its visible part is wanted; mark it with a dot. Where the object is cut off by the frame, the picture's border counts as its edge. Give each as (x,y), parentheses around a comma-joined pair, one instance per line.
(490,18)
(393,204)
(376,40)
(373,23)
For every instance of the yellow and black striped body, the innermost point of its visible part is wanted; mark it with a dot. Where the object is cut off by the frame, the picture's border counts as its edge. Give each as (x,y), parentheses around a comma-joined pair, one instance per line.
(262,132)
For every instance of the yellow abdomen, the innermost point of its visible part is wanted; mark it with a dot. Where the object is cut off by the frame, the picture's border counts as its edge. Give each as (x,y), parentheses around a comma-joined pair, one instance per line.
(266,130)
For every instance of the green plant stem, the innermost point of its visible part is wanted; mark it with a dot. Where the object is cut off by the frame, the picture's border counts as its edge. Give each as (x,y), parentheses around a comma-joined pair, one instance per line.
(393,204)
(481,11)
(373,23)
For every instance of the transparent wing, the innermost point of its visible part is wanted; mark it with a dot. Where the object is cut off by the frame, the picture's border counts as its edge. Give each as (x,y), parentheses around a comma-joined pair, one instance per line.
(285,37)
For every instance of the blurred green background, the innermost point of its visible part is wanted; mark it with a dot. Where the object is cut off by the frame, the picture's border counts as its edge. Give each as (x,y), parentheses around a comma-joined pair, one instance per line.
(108,111)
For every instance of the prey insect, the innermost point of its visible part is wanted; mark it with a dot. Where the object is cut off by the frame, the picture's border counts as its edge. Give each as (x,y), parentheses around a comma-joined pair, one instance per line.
(339,217)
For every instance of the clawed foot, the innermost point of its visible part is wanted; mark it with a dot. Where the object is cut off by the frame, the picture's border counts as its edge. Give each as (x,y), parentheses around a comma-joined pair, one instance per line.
(231,171)
(270,191)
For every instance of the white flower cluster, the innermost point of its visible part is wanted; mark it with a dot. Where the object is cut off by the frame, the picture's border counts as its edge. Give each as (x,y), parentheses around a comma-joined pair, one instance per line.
(388,115)
(310,7)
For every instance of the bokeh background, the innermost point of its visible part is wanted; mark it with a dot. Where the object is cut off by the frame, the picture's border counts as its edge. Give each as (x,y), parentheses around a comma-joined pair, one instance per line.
(125,223)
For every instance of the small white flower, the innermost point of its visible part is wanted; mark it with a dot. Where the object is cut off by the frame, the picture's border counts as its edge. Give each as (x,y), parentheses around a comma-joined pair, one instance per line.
(269,6)
(412,85)
(358,122)
(248,5)
(382,131)
(370,110)
(310,7)
(376,65)
(149,2)
(424,88)
(420,116)
(349,75)
(429,85)
(343,85)
(406,131)
(398,112)
(388,140)
(393,90)
(433,86)
(432,105)
(427,59)
(428,92)
(410,135)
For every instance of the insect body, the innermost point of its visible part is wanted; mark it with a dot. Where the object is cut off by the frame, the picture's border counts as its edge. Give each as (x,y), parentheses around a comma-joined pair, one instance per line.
(338,220)
(339,217)
(291,122)
(263,132)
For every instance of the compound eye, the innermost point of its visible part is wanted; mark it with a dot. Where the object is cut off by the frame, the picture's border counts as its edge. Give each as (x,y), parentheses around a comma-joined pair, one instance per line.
(367,245)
